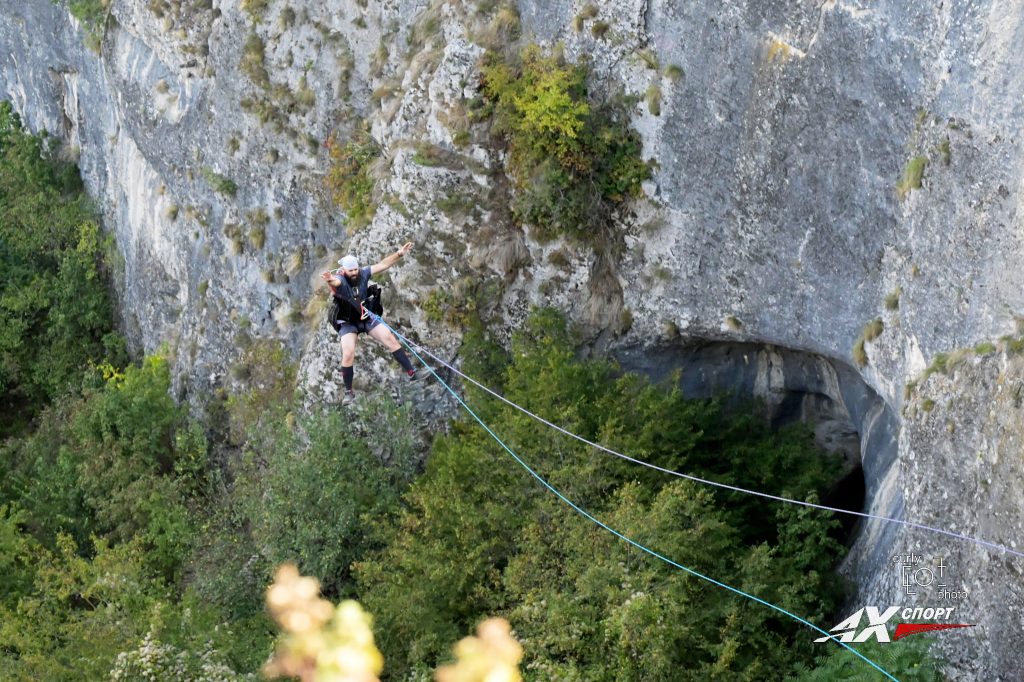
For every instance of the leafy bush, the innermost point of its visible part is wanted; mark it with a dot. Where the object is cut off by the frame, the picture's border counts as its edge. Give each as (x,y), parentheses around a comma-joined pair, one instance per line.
(306,490)
(310,493)
(19,553)
(93,15)
(55,312)
(121,469)
(104,615)
(155,660)
(348,177)
(572,161)
(121,462)
(77,615)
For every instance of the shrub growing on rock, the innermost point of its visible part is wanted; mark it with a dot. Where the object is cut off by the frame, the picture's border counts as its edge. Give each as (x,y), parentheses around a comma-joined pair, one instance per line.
(572,160)
(348,178)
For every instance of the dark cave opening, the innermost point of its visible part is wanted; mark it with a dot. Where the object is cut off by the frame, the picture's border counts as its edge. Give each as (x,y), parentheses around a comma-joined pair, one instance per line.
(848,493)
(845,415)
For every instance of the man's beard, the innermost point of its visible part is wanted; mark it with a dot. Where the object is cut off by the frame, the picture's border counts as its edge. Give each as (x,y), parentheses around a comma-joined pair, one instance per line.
(352,280)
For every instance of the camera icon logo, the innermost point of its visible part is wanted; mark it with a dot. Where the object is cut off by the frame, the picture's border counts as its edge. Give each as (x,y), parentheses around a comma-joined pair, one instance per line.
(914,576)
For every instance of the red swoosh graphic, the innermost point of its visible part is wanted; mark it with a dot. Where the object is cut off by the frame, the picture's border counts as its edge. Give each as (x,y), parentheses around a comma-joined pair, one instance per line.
(907,629)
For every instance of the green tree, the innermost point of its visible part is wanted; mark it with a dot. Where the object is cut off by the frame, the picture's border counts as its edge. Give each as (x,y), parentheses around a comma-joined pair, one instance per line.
(480,536)
(909,660)
(306,490)
(87,617)
(121,461)
(19,553)
(41,477)
(611,612)
(440,569)
(310,492)
(55,312)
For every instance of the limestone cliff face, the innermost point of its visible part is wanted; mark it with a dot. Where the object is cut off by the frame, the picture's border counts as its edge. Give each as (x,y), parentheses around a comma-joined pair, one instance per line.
(774,217)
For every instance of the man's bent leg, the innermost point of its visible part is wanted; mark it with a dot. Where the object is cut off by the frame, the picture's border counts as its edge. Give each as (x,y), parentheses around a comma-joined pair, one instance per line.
(384,336)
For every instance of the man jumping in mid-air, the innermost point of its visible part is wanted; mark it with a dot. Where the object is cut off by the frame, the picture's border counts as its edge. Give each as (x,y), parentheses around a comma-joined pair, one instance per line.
(349,286)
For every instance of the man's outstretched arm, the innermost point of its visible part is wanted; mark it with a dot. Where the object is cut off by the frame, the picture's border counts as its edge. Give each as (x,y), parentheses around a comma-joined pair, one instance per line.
(390,260)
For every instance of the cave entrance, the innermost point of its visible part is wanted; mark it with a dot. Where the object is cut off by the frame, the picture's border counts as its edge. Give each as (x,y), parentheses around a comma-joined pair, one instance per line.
(846,416)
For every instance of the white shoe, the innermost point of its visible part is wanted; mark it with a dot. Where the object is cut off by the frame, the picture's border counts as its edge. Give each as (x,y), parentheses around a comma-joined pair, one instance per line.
(349,398)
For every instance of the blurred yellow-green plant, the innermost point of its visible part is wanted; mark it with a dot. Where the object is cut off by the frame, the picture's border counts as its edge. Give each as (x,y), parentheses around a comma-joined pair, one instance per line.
(493,655)
(326,643)
(320,641)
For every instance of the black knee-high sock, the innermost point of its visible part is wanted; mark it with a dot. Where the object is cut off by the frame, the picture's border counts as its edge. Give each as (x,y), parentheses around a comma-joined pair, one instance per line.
(402,359)
(346,376)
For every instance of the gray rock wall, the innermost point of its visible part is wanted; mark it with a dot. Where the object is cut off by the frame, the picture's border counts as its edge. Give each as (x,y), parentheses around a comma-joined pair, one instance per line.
(773,216)
(961,470)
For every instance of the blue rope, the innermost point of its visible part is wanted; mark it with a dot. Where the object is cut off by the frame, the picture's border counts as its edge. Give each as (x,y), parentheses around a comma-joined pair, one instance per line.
(616,533)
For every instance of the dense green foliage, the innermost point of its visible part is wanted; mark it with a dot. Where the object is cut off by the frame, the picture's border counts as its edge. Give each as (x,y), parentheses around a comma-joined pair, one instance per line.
(304,491)
(101,507)
(126,549)
(118,462)
(179,551)
(82,612)
(572,161)
(586,605)
(55,313)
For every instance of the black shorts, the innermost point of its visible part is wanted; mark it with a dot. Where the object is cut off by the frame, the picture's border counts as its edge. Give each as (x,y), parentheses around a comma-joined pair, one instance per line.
(361,327)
